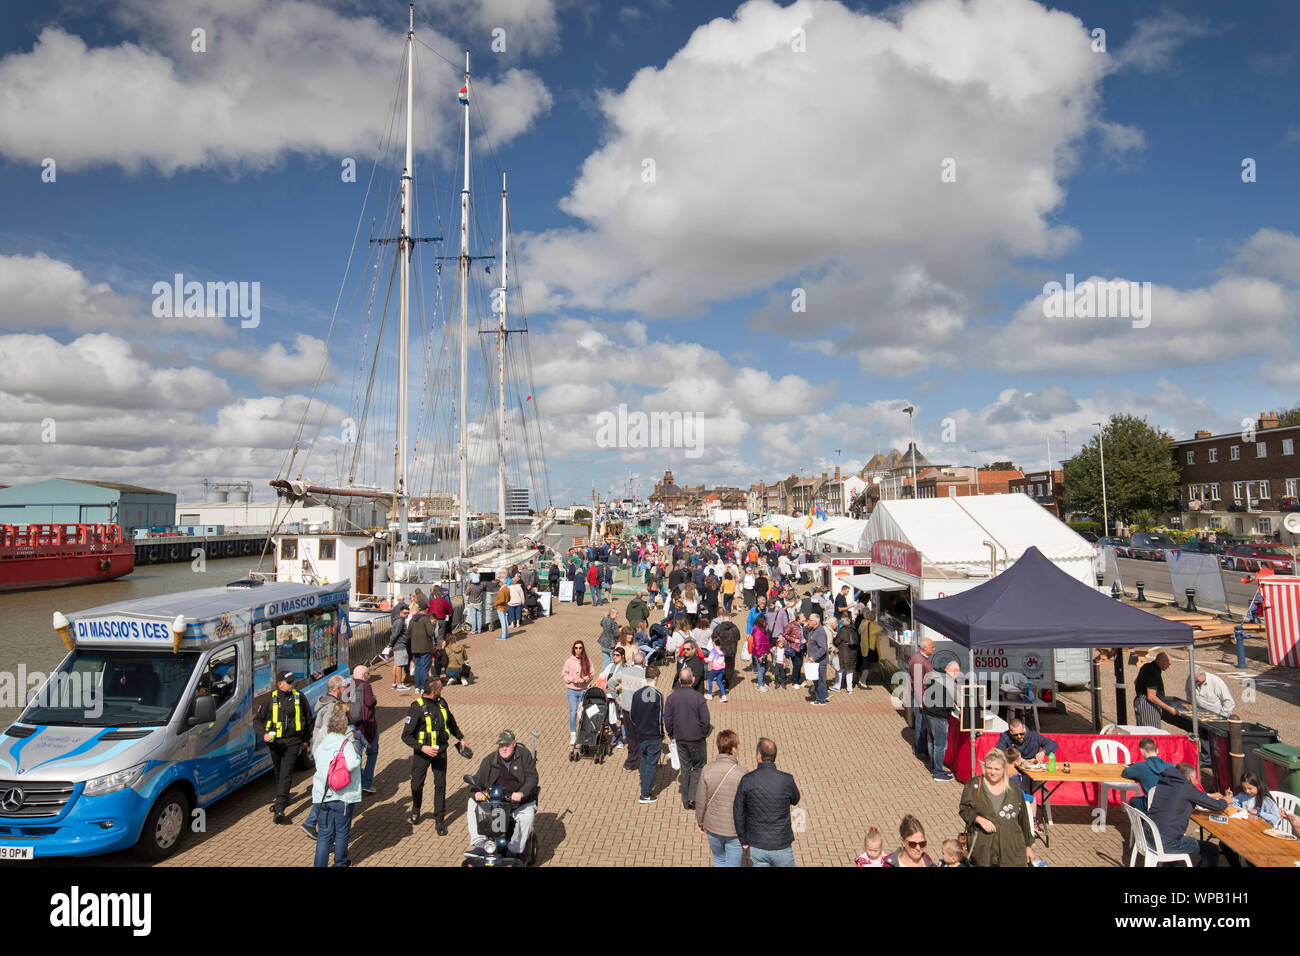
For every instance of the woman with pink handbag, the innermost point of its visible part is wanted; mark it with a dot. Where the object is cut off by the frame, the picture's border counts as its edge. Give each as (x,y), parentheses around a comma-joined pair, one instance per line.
(335,789)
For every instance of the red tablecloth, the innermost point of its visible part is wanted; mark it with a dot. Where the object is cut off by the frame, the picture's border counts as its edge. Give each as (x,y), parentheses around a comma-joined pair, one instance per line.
(1074,748)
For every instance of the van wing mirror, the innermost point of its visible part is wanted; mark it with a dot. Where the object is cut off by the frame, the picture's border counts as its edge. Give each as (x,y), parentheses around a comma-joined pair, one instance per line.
(205,710)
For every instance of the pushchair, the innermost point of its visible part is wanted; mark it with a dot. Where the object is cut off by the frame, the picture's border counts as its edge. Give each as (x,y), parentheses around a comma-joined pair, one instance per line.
(659,655)
(595,735)
(532,605)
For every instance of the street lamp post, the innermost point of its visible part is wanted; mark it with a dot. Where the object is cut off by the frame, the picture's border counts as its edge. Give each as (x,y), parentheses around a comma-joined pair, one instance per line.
(1105,511)
(912,437)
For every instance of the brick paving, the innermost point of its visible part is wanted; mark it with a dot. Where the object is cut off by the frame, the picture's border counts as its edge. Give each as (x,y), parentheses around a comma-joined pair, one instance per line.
(852,761)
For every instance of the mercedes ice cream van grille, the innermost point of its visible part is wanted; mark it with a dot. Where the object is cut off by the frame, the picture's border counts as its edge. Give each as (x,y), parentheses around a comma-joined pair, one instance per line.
(33,798)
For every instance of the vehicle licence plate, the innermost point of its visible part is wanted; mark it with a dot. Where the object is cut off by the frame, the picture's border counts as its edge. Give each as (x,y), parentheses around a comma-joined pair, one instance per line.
(17,852)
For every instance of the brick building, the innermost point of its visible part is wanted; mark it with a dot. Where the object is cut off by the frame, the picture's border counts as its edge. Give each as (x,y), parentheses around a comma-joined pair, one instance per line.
(1240,482)
(1047,488)
(963,482)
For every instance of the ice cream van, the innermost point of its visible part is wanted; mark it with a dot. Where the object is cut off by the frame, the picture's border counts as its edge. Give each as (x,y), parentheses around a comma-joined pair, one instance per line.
(150,716)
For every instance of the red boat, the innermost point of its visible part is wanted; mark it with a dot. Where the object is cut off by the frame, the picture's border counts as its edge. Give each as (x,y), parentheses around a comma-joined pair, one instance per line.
(54,555)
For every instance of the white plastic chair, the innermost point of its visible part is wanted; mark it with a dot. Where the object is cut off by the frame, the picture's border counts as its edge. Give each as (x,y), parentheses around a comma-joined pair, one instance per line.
(1109,729)
(1112,751)
(1288,802)
(1153,851)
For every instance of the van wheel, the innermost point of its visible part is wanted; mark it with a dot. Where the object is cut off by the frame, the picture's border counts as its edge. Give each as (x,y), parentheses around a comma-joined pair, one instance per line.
(164,827)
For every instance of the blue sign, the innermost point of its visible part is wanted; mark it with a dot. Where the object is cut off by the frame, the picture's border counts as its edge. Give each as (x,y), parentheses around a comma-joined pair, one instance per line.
(305,602)
(122,629)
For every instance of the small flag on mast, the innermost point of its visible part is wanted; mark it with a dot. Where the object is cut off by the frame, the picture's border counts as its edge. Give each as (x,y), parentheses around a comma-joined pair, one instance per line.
(464,96)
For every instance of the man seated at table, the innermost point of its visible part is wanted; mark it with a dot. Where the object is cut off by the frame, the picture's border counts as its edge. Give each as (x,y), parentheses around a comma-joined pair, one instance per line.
(1032,745)
(1169,805)
(1212,694)
(1145,771)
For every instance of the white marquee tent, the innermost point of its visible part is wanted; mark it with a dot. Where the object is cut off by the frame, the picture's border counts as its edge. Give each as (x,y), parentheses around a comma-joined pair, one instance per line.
(950,532)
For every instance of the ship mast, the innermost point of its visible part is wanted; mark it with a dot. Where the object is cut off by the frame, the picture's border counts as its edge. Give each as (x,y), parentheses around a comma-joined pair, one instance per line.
(464,320)
(405,247)
(501,366)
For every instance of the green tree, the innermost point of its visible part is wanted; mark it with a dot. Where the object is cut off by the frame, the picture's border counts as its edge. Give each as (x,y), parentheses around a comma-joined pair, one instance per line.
(999,466)
(1289,417)
(1140,471)
(582,514)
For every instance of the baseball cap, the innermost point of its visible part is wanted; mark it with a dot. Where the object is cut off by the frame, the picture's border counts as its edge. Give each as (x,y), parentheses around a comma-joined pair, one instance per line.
(505,737)
(286,676)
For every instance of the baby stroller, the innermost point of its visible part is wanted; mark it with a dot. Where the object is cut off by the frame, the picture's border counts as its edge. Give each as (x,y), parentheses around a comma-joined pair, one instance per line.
(659,638)
(532,605)
(595,736)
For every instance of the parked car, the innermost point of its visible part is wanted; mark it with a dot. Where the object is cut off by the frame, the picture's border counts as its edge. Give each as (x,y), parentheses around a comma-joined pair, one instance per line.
(1202,547)
(1089,536)
(1120,545)
(1251,557)
(1151,545)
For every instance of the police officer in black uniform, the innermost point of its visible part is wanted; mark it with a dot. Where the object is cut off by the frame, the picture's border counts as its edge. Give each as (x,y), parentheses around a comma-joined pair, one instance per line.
(429,727)
(288,724)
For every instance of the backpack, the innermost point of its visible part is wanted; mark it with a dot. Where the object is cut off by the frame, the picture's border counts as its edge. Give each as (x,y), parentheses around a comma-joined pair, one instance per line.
(339,775)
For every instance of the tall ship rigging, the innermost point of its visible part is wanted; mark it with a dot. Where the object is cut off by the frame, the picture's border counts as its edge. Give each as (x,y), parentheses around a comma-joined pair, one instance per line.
(476,423)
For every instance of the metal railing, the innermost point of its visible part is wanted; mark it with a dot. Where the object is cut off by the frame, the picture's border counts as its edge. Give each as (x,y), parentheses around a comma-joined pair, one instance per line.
(367,640)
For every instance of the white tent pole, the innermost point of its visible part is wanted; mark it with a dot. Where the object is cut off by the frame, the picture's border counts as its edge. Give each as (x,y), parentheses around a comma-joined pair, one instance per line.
(970,651)
(1196,721)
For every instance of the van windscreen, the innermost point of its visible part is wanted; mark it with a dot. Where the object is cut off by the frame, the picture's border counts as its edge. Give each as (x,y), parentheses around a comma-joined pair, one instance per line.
(108,688)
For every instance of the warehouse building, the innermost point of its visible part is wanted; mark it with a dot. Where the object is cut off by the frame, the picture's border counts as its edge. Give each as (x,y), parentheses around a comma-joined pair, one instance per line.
(81,501)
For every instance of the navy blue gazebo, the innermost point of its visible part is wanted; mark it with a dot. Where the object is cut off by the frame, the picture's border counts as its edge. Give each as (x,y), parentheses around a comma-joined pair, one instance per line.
(1035,604)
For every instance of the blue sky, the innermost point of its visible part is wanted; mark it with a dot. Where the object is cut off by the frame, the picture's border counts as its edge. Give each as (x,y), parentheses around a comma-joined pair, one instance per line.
(780,164)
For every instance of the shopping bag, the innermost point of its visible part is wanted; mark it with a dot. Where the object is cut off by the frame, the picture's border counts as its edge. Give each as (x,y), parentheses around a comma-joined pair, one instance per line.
(672,755)
(745,654)
(810,670)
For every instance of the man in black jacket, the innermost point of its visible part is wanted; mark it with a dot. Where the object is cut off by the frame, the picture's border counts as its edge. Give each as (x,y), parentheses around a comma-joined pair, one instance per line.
(762,810)
(647,716)
(287,725)
(514,769)
(1169,805)
(727,636)
(428,729)
(686,718)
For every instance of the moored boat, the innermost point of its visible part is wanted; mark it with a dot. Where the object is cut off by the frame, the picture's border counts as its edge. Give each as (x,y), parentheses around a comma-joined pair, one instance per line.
(56,555)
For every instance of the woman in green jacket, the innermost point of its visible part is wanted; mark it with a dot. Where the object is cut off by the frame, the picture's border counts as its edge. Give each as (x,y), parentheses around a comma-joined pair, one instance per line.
(998,830)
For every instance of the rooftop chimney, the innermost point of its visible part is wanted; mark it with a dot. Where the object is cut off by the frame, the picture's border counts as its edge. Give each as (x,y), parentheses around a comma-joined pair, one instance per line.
(837,471)
(1267,420)
(1202,433)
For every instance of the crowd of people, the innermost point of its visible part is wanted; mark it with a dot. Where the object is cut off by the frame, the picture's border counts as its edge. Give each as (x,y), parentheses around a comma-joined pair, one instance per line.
(711,609)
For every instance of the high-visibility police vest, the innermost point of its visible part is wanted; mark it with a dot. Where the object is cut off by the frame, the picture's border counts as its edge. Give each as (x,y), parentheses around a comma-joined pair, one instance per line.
(275,725)
(427,735)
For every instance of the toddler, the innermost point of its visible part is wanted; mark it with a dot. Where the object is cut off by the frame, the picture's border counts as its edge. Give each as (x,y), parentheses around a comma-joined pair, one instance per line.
(717,666)
(952,855)
(873,850)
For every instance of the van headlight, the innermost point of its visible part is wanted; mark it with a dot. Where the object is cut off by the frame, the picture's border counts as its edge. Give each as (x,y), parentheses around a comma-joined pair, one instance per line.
(111,782)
